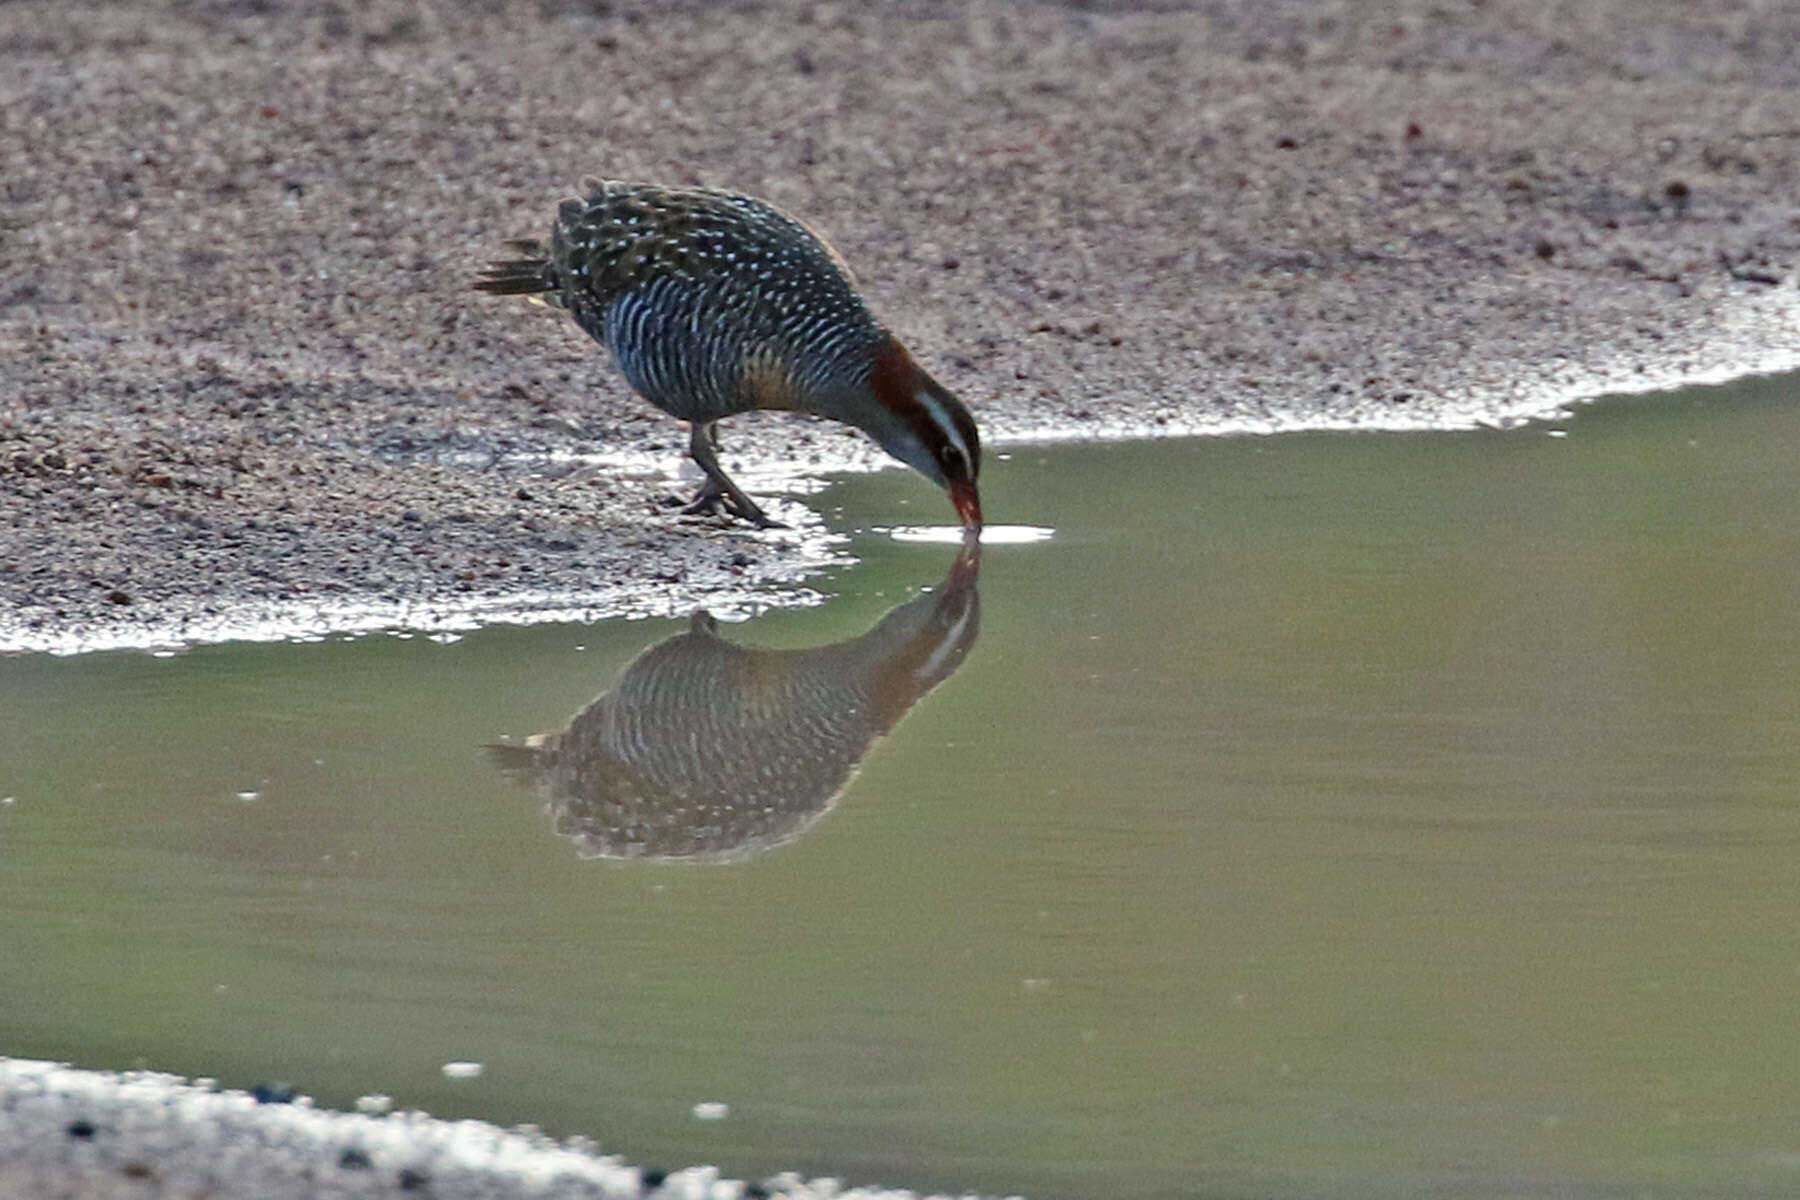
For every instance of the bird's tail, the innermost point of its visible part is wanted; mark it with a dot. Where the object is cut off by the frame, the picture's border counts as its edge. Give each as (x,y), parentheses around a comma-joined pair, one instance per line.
(525,276)
(522,763)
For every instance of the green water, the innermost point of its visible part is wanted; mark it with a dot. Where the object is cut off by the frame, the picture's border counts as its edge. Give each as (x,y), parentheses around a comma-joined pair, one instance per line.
(1314,815)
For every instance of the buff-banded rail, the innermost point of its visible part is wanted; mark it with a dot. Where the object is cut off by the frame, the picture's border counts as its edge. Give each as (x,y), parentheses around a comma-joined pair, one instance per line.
(715,303)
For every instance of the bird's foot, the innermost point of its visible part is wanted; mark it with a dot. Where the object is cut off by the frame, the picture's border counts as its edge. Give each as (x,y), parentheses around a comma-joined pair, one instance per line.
(712,499)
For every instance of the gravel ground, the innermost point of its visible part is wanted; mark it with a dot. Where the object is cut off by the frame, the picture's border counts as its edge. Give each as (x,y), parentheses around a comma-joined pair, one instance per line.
(92,1135)
(246,391)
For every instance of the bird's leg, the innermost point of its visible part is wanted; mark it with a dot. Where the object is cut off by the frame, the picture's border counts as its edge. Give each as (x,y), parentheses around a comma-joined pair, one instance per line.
(718,491)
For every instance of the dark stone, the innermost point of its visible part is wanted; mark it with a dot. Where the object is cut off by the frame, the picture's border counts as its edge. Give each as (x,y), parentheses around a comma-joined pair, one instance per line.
(274,1092)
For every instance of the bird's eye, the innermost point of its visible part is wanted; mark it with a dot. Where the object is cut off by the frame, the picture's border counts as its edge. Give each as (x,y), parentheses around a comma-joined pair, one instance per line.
(954,461)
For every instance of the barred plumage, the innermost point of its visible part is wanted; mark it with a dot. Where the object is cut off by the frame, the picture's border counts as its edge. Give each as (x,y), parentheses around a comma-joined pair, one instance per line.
(714,303)
(705,748)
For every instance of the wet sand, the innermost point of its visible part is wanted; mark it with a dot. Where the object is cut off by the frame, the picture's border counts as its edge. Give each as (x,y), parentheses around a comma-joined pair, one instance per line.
(245,389)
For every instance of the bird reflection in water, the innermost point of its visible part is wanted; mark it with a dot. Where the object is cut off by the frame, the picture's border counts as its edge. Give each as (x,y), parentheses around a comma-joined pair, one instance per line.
(705,749)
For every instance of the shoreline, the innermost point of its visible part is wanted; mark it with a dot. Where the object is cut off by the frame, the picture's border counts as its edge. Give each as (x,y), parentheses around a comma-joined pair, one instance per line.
(103,1135)
(801,553)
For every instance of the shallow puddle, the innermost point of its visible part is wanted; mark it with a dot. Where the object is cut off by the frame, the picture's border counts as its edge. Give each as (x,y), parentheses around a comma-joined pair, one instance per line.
(1311,815)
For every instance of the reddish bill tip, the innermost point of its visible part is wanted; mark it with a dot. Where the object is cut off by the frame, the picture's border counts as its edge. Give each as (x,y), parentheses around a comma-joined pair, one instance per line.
(968,504)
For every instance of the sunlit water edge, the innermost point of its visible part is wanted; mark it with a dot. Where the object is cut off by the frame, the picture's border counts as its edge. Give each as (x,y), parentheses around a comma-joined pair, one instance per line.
(954,535)
(1751,342)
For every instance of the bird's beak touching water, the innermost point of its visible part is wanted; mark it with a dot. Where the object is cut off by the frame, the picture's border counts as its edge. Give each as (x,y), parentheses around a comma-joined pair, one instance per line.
(968,504)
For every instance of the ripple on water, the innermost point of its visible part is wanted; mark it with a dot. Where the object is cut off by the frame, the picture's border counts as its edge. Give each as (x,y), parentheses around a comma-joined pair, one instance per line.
(992,535)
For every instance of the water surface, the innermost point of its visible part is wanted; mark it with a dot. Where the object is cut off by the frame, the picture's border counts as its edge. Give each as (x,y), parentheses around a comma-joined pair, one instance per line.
(1312,815)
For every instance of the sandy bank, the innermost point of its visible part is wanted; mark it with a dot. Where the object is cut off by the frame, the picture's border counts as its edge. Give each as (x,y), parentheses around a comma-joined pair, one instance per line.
(244,390)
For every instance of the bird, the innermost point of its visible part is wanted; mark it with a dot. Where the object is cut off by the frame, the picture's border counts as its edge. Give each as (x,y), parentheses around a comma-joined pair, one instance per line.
(705,749)
(714,303)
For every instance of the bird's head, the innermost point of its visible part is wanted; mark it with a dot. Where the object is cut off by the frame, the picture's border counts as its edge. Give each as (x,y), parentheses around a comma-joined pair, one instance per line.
(918,421)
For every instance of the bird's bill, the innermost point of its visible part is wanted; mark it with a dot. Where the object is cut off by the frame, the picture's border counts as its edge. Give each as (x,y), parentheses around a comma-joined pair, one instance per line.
(968,505)
(967,567)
